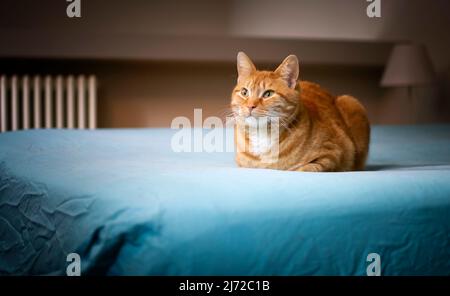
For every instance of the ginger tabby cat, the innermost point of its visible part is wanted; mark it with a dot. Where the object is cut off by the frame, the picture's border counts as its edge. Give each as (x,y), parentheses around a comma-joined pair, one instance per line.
(317,131)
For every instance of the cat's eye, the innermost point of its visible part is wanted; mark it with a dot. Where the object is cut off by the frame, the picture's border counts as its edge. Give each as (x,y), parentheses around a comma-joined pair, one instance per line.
(244,92)
(268,93)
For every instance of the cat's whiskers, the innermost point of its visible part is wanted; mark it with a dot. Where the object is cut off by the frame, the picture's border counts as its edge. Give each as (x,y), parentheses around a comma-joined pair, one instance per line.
(227,112)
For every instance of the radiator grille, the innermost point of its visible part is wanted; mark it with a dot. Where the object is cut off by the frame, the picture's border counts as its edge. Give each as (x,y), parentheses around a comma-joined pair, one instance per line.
(48,102)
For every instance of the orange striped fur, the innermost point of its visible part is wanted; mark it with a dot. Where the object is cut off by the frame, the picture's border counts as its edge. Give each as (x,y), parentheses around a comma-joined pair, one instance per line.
(318,132)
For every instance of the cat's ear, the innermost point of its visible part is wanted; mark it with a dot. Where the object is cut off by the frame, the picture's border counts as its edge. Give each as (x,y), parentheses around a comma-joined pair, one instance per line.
(244,65)
(288,70)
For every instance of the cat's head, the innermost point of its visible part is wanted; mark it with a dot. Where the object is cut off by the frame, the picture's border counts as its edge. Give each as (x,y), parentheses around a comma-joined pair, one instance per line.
(265,93)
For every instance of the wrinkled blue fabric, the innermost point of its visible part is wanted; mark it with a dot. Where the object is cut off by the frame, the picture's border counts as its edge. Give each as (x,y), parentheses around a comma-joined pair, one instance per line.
(129,205)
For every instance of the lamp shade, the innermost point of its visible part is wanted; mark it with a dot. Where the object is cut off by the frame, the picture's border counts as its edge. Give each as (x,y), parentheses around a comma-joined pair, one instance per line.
(408,65)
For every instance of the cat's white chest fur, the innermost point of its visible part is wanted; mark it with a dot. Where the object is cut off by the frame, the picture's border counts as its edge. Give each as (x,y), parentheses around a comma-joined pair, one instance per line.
(259,143)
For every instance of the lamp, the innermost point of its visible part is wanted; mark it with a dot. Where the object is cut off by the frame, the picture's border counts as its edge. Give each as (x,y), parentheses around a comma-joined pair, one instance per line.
(408,65)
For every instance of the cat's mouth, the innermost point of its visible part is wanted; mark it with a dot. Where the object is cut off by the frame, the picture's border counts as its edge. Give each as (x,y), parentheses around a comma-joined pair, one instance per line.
(255,116)
(251,114)
(249,117)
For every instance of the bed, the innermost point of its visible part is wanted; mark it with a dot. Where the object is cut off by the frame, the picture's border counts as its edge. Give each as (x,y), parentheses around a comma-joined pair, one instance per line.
(129,205)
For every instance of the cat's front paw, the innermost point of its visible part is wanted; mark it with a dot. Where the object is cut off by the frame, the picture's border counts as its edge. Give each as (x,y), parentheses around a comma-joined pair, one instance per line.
(310,167)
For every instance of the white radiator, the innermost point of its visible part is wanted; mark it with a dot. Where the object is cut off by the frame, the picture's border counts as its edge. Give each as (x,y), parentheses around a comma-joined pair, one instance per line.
(48,102)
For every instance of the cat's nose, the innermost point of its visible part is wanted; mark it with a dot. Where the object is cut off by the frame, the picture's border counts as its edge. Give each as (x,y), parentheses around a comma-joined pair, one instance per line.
(250,108)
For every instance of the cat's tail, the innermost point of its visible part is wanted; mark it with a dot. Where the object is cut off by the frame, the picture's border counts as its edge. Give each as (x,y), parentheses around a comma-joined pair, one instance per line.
(355,118)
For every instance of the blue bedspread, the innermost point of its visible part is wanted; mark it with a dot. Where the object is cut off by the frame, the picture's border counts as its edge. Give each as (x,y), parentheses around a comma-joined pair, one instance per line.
(127,204)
